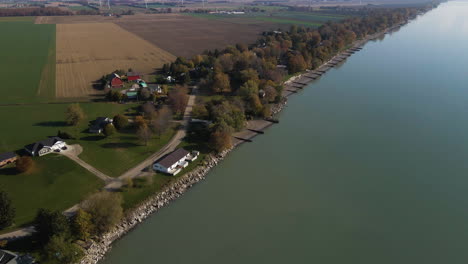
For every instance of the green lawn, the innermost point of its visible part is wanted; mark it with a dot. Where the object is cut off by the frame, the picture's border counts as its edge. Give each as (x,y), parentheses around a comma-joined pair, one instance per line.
(55,182)
(113,156)
(27,53)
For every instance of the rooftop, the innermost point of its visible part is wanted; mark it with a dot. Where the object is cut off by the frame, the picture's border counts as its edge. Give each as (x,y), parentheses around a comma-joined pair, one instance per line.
(173,157)
(7,155)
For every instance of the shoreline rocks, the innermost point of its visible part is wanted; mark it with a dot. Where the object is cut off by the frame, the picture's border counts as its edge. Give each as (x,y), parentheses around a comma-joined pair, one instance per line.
(98,248)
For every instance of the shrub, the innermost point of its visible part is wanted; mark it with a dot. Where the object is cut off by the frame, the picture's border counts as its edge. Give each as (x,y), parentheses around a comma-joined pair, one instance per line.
(24,164)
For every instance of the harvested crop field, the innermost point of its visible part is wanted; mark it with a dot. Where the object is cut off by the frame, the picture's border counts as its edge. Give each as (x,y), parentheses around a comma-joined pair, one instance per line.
(181,35)
(85,52)
(187,36)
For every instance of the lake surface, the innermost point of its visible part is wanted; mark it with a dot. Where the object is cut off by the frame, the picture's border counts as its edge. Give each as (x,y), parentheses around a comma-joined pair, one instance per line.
(368,166)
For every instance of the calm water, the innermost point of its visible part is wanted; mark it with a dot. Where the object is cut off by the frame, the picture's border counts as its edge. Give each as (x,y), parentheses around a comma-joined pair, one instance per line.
(368,166)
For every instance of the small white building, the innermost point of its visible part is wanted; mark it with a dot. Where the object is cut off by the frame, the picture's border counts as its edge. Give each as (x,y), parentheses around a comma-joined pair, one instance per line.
(174,162)
(45,146)
(7,257)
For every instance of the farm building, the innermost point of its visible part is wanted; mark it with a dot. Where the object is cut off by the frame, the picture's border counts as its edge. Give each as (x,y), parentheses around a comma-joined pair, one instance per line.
(7,158)
(133,76)
(174,162)
(116,82)
(132,95)
(7,257)
(45,146)
(97,126)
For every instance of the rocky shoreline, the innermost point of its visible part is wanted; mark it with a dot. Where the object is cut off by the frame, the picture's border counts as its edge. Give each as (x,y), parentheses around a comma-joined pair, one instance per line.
(96,251)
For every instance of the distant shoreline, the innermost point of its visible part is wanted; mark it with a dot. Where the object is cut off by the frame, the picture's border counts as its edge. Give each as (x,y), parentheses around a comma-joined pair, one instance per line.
(98,249)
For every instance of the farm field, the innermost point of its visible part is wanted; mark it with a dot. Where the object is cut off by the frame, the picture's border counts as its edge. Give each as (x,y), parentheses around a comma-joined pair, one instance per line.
(279,18)
(86,52)
(28,59)
(55,183)
(186,35)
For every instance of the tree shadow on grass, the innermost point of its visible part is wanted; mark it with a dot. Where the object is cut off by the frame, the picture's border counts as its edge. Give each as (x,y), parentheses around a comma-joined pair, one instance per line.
(119,145)
(92,138)
(8,171)
(52,124)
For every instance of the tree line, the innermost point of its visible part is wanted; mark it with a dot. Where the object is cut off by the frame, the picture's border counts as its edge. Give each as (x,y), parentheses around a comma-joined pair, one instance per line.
(34,11)
(249,78)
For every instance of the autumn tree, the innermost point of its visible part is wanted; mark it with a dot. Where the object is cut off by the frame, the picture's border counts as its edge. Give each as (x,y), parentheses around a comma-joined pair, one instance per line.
(161,120)
(144,134)
(81,225)
(74,114)
(270,93)
(109,130)
(24,163)
(297,63)
(105,209)
(178,98)
(221,83)
(7,211)
(120,121)
(221,138)
(140,122)
(148,109)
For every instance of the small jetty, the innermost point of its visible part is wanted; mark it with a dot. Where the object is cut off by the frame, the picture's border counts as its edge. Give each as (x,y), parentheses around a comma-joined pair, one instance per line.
(256,131)
(272,120)
(243,139)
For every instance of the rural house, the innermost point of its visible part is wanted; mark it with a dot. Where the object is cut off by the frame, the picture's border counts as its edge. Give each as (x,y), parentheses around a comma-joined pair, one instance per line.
(7,257)
(7,158)
(155,88)
(133,76)
(174,162)
(45,146)
(97,126)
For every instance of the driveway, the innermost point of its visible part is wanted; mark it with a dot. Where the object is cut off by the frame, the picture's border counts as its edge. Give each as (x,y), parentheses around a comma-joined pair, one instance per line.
(72,153)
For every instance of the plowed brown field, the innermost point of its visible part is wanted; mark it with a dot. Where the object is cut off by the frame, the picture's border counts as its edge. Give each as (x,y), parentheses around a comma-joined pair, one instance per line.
(181,35)
(85,52)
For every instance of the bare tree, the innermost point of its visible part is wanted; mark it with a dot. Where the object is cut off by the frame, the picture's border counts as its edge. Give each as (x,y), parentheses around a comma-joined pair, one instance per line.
(144,134)
(161,120)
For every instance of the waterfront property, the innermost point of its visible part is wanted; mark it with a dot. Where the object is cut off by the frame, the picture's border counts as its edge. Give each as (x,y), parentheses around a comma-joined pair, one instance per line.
(97,126)
(7,257)
(174,162)
(7,158)
(45,146)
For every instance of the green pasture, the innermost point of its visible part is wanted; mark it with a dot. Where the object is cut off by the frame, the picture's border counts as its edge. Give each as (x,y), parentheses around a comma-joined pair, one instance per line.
(28,61)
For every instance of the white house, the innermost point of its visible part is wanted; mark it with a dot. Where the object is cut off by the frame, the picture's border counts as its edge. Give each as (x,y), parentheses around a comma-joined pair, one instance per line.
(45,146)
(173,163)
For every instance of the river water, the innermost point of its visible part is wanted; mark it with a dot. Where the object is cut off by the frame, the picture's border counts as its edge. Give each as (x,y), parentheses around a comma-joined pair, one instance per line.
(367,166)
